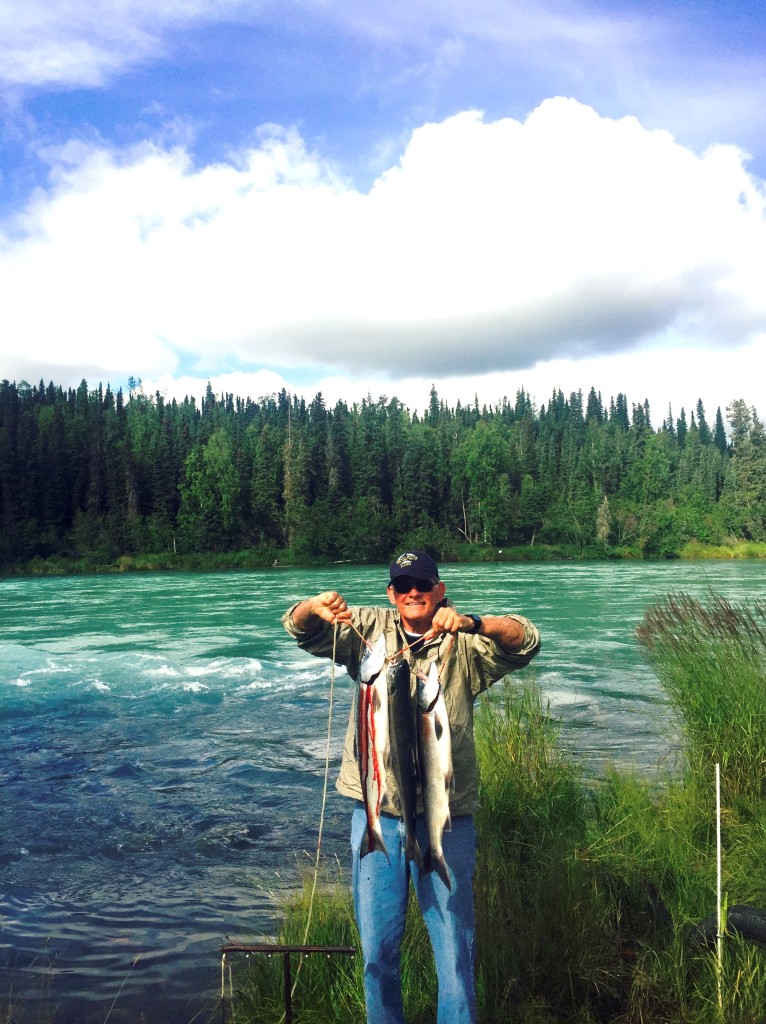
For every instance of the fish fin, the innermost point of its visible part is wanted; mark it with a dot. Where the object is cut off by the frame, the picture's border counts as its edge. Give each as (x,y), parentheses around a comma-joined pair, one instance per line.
(371,842)
(443,872)
(438,864)
(448,822)
(413,852)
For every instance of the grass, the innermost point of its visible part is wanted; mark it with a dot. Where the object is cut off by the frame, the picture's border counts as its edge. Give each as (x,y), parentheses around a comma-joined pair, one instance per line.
(711,659)
(37,981)
(694,549)
(330,989)
(259,557)
(540,927)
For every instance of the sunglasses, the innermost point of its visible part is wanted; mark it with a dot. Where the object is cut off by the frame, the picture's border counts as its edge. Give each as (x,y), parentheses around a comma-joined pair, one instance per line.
(404,584)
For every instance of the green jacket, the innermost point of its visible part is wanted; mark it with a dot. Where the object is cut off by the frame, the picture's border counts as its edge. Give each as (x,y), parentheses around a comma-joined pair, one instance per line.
(470,667)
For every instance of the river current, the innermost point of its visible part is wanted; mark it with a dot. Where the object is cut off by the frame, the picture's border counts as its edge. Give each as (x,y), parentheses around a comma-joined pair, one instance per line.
(162,754)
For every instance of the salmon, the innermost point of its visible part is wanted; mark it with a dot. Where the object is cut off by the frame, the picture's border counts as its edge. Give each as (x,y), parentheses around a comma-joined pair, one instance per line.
(404,753)
(371,741)
(435,768)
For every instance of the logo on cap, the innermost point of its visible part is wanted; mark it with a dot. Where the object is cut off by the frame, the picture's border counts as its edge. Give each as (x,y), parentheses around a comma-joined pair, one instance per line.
(406,559)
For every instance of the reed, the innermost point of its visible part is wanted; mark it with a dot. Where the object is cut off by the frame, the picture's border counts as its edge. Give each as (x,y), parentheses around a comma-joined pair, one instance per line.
(711,659)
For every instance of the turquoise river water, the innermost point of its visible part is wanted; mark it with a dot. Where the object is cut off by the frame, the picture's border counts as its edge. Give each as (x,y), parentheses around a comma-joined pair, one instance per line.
(163,747)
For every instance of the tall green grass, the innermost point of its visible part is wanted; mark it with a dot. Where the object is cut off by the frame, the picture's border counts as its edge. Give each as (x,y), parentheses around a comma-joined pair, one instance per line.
(546,948)
(711,659)
(588,891)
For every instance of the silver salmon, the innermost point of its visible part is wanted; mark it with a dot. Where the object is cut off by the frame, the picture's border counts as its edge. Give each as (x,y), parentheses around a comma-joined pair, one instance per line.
(371,741)
(435,767)
(404,752)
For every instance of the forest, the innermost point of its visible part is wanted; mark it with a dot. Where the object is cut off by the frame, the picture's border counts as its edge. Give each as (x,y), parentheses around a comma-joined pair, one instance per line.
(102,477)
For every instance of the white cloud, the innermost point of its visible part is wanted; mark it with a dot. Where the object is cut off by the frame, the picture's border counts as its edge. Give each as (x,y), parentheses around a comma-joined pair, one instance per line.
(669,68)
(81,43)
(670,380)
(490,247)
(77,42)
(488,21)
(260,384)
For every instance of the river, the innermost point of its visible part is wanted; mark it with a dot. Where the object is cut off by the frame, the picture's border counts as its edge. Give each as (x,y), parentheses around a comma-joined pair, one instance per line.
(163,750)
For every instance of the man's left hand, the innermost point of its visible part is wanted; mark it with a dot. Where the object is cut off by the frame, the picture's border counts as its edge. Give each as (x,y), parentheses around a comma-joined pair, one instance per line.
(449,620)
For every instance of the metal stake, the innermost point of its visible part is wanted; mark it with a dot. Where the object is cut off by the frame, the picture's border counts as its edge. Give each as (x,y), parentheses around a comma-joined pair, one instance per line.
(285,950)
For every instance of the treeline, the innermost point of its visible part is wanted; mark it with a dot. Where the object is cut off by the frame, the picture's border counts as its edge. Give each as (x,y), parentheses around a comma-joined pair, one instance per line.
(90,473)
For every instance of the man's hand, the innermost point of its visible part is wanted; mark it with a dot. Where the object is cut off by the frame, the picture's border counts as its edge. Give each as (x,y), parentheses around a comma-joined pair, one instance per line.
(448,620)
(504,630)
(329,606)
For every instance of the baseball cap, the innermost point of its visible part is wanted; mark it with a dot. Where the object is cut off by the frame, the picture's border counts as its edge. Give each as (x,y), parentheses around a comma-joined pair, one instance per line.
(417,564)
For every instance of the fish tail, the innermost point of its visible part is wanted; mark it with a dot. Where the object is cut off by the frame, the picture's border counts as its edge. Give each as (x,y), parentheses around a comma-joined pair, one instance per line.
(436,862)
(414,852)
(372,841)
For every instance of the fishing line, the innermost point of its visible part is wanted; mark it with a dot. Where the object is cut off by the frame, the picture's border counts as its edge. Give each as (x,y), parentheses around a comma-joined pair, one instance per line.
(122,986)
(322,810)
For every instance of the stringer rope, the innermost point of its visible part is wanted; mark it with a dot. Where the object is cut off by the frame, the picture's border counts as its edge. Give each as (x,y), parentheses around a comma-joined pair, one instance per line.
(450,649)
(431,635)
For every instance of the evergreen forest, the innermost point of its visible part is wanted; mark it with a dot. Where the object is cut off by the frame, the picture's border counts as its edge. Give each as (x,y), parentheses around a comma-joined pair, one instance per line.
(102,477)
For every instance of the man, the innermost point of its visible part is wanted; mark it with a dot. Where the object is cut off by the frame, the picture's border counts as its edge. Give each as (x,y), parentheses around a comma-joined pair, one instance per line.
(471,652)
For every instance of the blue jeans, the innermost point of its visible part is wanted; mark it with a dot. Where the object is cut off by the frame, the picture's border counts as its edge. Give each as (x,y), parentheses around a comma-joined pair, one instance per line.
(380,902)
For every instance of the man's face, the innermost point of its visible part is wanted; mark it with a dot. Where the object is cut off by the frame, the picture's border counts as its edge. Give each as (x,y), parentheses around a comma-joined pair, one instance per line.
(416,600)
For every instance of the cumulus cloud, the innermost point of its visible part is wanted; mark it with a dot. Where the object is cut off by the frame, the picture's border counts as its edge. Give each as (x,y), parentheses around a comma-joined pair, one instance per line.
(660,65)
(490,246)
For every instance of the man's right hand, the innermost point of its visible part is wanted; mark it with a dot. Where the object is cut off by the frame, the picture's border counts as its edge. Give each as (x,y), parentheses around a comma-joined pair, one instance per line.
(329,606)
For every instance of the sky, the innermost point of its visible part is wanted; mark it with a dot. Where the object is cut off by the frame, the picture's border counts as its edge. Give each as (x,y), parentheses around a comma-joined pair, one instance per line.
(373,198)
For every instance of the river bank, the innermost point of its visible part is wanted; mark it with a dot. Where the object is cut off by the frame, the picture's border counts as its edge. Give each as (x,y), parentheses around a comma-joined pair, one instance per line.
(280,558)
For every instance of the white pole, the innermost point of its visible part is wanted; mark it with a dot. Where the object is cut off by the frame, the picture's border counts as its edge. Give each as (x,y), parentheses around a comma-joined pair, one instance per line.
(719,928)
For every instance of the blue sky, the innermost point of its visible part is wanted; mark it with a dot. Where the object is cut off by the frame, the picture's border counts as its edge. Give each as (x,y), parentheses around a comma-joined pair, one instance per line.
(370,198)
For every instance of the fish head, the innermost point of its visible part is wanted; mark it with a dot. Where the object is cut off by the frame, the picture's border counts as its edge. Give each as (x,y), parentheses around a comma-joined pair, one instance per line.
(429,687)
(398,677)
(373,660)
